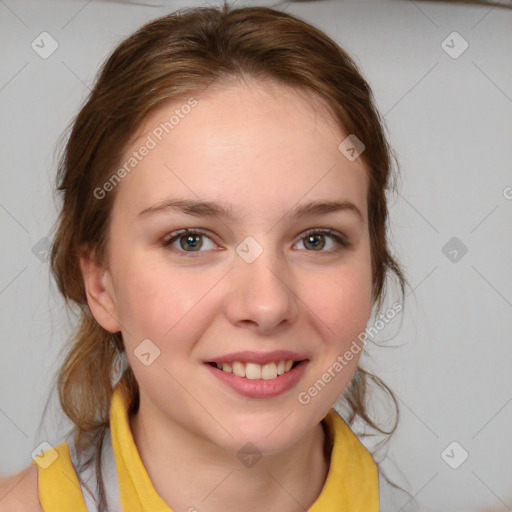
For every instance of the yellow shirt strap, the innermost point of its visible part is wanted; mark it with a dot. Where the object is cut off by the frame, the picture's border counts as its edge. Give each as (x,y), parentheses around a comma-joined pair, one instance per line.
(59,489)
(136,492)
(352,483)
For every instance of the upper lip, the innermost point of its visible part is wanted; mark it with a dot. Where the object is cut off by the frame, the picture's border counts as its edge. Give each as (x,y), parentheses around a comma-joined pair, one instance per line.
(258,357)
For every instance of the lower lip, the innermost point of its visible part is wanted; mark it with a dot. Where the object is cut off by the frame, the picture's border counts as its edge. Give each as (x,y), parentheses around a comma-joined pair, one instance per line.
(259,388)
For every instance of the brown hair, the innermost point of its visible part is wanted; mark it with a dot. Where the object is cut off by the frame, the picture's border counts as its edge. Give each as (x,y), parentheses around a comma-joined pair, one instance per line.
(167,59)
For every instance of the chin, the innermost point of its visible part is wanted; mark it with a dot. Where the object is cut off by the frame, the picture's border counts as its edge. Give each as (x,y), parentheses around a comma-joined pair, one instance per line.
(264,436)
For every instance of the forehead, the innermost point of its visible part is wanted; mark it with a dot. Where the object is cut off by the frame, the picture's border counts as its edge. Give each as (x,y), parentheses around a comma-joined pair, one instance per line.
(242,144)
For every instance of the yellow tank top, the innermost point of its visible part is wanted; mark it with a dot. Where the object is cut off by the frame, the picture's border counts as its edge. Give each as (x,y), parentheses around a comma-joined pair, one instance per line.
(351,484)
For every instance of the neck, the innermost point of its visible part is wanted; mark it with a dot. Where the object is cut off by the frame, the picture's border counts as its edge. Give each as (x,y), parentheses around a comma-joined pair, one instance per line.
(189,473)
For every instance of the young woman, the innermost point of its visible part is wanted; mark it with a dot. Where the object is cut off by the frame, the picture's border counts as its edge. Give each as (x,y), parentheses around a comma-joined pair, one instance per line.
(223,234)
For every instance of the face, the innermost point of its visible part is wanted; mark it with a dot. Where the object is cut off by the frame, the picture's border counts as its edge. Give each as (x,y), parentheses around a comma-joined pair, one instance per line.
(256,281)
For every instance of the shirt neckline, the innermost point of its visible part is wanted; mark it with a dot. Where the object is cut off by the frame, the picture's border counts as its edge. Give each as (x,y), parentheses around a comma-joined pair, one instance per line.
(344,478)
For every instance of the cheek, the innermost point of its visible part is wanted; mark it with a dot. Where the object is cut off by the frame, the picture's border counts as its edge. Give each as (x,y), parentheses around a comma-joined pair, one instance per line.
(153,301)
(343,307)
(342,311)
(343,303)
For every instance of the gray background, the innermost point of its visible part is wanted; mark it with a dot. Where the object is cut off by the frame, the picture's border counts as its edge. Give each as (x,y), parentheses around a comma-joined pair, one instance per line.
(450,122)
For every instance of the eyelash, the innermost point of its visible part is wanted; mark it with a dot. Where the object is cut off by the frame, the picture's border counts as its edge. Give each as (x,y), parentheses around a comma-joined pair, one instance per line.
(340,239)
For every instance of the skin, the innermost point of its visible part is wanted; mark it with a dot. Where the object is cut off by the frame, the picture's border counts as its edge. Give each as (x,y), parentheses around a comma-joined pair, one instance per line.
(19,492)
(260,148)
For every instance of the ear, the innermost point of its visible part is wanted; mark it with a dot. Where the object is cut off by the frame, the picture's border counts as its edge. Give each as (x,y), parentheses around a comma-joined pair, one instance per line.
(99,290)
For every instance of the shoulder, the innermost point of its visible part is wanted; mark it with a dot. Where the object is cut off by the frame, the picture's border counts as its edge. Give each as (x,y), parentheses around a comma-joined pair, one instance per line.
(19,492)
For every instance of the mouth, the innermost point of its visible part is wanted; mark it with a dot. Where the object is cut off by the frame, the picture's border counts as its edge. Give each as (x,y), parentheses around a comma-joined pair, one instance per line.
(254,380)
(254,371)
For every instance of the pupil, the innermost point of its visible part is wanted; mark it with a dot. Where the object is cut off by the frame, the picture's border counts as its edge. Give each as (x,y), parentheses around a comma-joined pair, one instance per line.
(190,240)
(312,237)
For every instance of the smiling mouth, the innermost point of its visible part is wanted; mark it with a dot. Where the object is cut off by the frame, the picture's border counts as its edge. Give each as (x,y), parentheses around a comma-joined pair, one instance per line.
(254,371)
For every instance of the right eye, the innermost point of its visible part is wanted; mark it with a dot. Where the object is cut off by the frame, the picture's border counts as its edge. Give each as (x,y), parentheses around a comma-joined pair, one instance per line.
(187,239)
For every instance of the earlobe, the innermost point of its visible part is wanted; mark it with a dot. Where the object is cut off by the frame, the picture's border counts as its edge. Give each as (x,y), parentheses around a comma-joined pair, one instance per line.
(99,291)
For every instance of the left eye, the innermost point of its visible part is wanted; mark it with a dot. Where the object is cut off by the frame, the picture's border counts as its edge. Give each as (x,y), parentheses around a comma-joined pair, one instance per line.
(315,238)
(312,236)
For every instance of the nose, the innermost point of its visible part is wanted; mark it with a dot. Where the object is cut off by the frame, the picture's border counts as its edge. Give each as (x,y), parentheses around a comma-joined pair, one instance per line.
(262,294)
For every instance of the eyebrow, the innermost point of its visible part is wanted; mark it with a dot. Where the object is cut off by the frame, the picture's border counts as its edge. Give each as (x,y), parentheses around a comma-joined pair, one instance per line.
(199,208)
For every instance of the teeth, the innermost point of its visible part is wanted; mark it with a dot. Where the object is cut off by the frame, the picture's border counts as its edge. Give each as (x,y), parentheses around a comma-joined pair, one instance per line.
(269,371)
(255,371)
(238,369)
